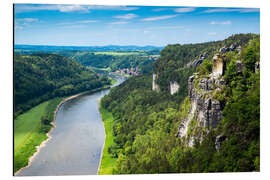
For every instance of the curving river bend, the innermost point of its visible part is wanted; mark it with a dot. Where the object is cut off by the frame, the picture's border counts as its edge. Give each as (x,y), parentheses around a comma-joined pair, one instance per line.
(77,141)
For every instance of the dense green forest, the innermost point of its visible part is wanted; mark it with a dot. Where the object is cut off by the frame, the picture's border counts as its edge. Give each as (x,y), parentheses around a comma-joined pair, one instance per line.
(114,60)
(40,77)
(146,121)
(111,61)
(172,64)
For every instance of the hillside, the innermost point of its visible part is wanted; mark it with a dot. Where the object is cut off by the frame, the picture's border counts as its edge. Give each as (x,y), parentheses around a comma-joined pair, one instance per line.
(196,114)
(40,77)
(142,60)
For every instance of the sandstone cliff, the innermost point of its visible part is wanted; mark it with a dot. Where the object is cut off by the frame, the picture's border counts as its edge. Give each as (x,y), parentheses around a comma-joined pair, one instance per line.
(155,86)
(206,111)
(174,86)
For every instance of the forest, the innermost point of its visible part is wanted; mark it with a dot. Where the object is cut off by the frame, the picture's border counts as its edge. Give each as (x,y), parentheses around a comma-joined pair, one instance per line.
(120,58)
(40,77)
(146,122)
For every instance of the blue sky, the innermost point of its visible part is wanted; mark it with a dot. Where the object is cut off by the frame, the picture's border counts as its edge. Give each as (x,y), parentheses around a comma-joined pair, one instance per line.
(89,25)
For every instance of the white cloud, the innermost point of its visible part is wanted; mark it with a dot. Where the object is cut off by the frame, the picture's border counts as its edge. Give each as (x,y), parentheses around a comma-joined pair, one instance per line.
(159,18)
(73,26)
(146,32)
(18,27)
(184,10)
(241,10)
(129,8)
(87,21)
(26,20)
(69,8)
(126,16)
(72,8)
(166,27)
(20,23)
(222,22)
(119,22)
(160,9)
(212,33)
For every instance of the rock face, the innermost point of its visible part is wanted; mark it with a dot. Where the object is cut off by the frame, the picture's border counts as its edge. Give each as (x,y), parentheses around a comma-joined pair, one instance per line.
(174,86)
(208,109)
(155,86)
(219,140)
(257,67)
(205,109)
(227,49)
(218,65)
(239,66)
(198,61)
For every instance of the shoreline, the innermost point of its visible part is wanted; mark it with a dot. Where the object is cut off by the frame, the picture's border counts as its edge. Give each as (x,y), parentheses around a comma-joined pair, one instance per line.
(43,143)
(101,155)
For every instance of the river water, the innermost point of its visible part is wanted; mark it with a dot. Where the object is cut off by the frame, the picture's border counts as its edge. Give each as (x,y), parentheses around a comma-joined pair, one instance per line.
(77,141)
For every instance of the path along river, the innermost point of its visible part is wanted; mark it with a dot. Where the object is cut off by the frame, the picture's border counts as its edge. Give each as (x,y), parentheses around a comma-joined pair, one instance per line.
(77,141)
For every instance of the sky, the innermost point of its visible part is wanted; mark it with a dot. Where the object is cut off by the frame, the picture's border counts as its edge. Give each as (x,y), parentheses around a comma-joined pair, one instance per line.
(95,25)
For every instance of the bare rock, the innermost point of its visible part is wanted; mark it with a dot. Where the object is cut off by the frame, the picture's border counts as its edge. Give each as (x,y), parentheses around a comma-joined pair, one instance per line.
(174,86)
(257,67)
(219,140)
(239,66)
(155,86)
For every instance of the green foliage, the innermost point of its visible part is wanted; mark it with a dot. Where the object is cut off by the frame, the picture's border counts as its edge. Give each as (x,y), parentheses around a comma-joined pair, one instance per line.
(113,60)
(30,130)
(40,77)
(146,121)
(108,156)
(205,68)
(174,58)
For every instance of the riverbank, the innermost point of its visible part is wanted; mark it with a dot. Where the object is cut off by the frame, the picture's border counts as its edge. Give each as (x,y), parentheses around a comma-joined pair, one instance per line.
(107,162)
(25,151)
(24,155)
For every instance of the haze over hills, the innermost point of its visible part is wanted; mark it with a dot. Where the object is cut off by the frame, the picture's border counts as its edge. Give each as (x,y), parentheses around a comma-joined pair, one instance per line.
(86,48)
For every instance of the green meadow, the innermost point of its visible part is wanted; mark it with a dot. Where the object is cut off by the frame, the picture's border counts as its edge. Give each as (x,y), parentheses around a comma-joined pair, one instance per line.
(107,162)
(30,130)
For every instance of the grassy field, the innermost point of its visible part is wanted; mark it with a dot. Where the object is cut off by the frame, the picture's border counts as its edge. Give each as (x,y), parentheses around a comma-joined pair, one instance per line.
(30,131)
(107,162)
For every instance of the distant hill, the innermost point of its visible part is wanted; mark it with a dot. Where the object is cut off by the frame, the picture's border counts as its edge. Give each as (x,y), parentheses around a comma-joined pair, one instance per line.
(84,48)
(41,77)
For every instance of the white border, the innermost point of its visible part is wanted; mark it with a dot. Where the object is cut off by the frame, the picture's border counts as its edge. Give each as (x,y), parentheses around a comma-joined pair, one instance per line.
(6,83)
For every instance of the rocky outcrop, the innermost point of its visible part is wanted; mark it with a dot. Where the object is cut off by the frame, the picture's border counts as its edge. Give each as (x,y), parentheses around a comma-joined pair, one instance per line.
(239,48)
(174,86)
(257,67)
(198,61)
(208,109)
(219,140)
(225,49)
(205,110)
(239,66)
(155,86)
(218,65)
(183,128)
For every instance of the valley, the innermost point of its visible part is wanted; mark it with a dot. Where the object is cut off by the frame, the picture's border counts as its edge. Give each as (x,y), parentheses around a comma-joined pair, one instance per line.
(183,108)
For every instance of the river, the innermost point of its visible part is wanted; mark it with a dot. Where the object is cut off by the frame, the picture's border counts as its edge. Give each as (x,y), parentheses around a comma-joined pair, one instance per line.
(77,141)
